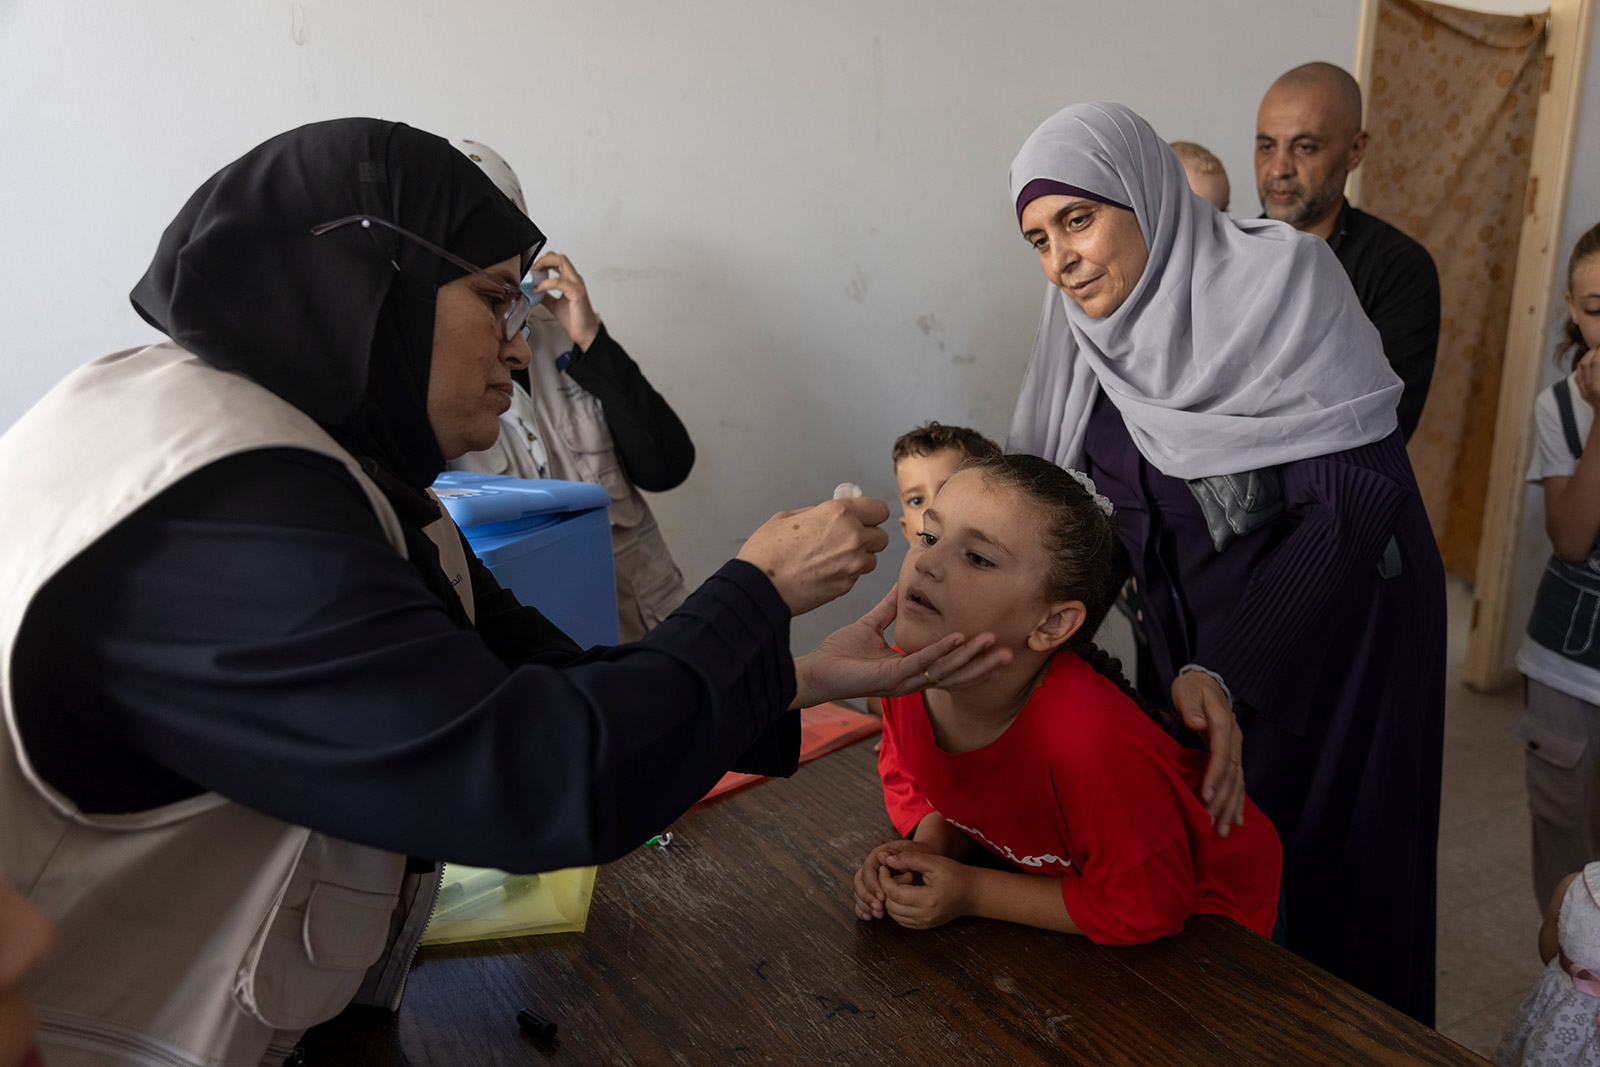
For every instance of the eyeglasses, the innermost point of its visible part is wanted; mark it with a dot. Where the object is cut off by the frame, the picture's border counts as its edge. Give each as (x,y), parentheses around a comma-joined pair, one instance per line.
(515,317)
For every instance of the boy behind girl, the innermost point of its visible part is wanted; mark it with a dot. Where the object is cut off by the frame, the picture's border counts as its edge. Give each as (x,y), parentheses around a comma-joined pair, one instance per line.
(924,459)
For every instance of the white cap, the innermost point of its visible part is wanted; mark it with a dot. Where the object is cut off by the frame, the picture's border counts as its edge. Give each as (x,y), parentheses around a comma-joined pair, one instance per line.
(498,170)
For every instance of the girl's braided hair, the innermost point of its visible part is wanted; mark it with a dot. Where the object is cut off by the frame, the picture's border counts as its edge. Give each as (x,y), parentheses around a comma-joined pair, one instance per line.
(1087,560)
(1572,342)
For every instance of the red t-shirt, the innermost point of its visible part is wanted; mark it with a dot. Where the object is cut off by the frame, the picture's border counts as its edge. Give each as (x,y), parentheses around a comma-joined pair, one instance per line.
(1084,786)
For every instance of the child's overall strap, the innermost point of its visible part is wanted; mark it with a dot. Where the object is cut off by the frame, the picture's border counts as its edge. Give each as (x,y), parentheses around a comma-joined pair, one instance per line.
(1569,422)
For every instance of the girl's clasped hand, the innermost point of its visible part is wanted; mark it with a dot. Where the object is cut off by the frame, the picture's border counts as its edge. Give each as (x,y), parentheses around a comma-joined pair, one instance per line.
(913,885)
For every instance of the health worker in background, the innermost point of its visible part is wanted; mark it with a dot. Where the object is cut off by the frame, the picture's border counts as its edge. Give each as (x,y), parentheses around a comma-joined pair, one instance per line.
(581,410)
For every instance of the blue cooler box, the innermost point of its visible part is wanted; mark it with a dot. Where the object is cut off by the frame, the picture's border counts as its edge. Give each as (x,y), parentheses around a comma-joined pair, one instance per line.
(548,542)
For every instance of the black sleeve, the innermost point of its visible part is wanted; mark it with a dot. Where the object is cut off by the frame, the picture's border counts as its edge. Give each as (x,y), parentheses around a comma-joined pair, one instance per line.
(311,675)
(651,441)
(519,633)
(1406,313)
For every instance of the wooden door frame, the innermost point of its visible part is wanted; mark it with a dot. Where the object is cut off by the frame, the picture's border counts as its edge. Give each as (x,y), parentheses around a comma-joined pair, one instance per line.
(1555,135)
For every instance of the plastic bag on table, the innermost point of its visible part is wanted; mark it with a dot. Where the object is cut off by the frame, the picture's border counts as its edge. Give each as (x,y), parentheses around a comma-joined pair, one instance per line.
(479,903)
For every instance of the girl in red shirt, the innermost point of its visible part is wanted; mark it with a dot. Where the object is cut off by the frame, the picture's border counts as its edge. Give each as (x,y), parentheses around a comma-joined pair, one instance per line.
(1053,765)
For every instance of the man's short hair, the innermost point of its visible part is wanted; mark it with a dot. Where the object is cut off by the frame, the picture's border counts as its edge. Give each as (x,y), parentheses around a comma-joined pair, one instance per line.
(1340,82)
(936,437)
(1197,158)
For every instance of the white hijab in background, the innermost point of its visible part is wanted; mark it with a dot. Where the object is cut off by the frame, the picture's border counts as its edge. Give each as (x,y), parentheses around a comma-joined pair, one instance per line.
(498,170)
(1242,345)
(558,429)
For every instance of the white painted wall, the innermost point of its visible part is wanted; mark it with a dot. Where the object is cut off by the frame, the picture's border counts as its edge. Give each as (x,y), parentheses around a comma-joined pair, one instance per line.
(794,215)
(1583,211)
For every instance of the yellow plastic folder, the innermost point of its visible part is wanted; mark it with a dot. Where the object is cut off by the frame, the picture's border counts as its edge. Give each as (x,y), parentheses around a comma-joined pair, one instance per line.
(478,903)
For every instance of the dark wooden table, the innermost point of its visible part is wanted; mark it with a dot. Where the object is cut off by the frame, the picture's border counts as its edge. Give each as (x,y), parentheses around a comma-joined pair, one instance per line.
(738,944)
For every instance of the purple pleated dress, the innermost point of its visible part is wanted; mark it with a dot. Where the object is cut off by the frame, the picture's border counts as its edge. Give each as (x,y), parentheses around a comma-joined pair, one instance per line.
(1338,678)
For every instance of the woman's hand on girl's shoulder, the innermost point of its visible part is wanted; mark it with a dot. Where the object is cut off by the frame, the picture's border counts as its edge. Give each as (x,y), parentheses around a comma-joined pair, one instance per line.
(1205,709)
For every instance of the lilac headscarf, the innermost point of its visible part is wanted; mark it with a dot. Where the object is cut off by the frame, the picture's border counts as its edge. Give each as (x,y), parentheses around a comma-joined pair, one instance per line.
(1242,345)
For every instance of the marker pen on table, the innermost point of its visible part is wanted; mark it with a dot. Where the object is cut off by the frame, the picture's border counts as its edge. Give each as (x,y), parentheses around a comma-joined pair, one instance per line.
(537,1026)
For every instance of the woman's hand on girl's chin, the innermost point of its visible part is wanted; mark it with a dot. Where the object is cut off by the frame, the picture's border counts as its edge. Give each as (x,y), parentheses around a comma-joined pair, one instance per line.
(856,661)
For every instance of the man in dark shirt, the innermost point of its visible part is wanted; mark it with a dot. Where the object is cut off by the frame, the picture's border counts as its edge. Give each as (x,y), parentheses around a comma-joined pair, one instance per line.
(1308,139)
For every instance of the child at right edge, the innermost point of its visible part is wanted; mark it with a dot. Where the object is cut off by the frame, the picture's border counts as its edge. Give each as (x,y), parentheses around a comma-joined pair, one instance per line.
(1559,655)
(1052,764)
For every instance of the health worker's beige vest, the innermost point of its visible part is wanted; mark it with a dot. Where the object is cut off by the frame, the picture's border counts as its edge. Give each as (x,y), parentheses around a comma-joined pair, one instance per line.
(571,423)
(200,932)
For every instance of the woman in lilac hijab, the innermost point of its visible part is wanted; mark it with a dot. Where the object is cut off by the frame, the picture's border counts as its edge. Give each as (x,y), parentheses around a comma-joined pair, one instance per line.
(1220,383)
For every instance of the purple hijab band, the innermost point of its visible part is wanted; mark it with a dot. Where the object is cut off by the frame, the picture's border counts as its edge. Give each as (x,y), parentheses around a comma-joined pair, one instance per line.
(1049,187)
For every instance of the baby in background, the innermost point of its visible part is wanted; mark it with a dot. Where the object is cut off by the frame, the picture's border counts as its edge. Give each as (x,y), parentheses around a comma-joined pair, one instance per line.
(1205,173)
(1053,764)
(1556,1025)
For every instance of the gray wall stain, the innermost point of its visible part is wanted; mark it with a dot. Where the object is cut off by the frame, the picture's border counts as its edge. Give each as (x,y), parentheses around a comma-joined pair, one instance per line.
(625,274)
(856,288)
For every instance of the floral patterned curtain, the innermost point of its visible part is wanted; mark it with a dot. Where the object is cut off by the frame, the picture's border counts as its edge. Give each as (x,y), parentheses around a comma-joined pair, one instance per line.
(1450,111)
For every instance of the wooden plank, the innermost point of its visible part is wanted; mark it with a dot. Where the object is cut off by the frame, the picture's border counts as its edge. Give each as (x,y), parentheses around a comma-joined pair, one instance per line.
(1527,344)
(738,944)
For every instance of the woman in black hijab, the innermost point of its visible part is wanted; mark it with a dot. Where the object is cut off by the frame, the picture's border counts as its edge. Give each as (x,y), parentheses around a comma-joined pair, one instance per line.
(251,630)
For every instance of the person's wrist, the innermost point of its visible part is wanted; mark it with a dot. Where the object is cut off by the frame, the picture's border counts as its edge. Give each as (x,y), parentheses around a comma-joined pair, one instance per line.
(1195,668)
(803,683)
(585,336)
(759,558)
(978,889)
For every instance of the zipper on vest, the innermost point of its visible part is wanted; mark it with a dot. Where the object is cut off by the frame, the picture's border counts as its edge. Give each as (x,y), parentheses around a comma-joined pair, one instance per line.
(416,943)
(284,1049)
(127,1045)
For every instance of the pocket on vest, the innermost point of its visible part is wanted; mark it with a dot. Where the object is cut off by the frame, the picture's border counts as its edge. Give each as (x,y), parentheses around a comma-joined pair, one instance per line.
(591,454)
(649,580)
(627,510)
(584,428)
(309,962)
(1580,627)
